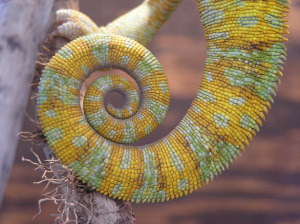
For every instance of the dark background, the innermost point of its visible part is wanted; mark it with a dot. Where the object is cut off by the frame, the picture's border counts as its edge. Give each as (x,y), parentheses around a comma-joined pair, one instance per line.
(262,186)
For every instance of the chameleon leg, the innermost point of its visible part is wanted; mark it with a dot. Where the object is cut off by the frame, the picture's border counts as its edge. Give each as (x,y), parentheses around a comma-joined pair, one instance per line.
(74,24)
(140,24)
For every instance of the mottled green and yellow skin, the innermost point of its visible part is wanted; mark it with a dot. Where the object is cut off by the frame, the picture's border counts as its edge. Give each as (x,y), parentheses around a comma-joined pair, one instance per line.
(244,57)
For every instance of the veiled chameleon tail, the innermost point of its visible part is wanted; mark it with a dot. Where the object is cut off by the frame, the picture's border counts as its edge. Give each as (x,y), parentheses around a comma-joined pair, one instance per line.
(126,125)
(94,97)
(65,73)
(245,53)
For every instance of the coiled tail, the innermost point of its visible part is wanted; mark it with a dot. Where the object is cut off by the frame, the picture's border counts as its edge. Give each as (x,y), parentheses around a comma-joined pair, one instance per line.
(245,53)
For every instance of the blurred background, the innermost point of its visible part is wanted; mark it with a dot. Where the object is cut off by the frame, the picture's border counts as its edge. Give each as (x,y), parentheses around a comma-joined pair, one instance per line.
(262,186)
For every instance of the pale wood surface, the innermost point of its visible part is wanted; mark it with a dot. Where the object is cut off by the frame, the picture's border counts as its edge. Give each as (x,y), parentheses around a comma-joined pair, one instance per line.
(23,25)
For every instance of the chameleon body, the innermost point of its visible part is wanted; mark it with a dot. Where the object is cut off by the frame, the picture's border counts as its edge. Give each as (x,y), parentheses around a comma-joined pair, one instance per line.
(242,69)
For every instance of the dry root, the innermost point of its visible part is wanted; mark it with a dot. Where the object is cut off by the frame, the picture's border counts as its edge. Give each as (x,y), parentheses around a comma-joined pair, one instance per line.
(66,187)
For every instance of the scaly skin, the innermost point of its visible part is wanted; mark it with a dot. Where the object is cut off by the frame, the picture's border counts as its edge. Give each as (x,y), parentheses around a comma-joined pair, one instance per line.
(242,69)
(140,24)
